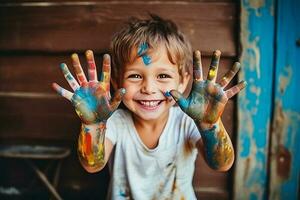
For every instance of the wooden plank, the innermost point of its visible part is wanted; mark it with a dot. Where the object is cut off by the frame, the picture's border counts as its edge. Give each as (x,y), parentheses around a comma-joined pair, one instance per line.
(39,71)
(92,1)
(37,118)
(70,27)
(285,151)
(254,104)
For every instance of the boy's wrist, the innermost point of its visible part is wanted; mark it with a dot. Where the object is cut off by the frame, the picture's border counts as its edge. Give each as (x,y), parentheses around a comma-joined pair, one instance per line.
(203,126)
(101,124)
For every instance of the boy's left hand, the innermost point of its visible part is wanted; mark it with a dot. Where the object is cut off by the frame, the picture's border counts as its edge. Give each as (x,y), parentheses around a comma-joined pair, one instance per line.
(207,99)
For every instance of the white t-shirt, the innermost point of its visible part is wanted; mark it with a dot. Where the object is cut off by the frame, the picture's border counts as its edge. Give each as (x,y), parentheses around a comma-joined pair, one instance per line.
(165,172)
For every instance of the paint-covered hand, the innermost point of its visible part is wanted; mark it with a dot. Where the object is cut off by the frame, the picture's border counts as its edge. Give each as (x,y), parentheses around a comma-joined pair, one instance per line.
(205,104)
(91,99)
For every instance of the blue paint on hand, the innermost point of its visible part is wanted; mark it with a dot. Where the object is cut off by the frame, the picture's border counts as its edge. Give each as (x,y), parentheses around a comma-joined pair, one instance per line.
(62,65)
(167,94)
(210,141)
(183,103)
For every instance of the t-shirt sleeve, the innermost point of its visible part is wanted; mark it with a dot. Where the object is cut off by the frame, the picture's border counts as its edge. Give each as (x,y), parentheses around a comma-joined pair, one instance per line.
(193,133)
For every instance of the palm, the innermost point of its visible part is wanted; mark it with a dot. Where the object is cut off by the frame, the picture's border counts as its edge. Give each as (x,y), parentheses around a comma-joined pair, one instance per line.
(92,103)
(207,99)
(91,99)
(206,102)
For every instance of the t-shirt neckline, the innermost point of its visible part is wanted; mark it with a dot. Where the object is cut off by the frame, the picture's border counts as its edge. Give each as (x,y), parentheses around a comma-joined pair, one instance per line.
(139,140)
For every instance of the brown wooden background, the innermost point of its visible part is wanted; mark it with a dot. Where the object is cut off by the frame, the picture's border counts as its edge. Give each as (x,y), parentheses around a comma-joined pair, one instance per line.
(36,36)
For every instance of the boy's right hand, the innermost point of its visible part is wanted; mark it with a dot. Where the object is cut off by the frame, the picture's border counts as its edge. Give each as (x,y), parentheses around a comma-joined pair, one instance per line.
(91,99)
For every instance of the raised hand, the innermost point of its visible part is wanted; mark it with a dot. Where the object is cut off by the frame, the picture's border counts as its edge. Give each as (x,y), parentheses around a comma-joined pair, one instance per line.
(207,99)
(91,98)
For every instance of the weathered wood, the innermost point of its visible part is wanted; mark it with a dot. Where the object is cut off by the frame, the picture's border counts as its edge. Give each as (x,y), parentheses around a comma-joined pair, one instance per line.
(36,36)
(42,118)
(254,104)
(285,151)
(80,2)
(24,74)
(69,27)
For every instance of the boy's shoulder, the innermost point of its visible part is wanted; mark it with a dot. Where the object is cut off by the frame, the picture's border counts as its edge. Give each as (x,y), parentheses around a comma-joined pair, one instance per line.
(120,115)
(177,113)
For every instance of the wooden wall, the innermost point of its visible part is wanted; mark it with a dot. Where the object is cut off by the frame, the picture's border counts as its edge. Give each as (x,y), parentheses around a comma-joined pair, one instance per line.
(35,37)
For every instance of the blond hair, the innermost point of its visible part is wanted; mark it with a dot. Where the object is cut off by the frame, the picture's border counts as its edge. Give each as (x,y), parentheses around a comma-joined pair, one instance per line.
(154,32)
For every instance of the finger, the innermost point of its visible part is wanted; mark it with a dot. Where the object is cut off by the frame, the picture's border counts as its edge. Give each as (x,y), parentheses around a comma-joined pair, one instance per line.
(69,77)
(197,67)
(100,90)
(92,72)
(61,91)
(117,98)
(179,98)
(230,74)
(235,89)
(78,69)
(105,74)
(167,94)
(213,69)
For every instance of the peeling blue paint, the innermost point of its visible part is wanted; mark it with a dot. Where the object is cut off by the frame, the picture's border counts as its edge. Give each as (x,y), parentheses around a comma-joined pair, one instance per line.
(255,104)
(287,110)
(246,146)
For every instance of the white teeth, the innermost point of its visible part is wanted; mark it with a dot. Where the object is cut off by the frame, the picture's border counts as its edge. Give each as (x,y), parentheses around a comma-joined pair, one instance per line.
(149,103)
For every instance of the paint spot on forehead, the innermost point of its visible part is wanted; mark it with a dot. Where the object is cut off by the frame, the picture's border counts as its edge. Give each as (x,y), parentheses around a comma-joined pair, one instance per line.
(143,48)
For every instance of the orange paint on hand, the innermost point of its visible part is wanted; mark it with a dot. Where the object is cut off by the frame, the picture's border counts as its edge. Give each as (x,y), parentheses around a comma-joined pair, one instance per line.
(88,144)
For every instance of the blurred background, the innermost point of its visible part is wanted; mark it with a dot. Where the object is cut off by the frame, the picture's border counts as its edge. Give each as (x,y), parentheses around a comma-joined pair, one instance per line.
(39,129)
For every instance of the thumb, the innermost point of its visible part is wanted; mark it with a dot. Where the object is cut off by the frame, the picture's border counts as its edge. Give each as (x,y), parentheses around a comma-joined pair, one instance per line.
(117,98)
(180,100)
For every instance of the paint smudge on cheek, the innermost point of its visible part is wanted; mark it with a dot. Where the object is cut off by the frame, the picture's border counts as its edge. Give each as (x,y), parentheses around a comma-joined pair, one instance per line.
(143,48)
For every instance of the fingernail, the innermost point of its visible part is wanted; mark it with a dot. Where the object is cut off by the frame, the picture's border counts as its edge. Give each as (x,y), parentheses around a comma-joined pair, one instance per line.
(123,90)
(74,56)
(62,65)
(89,53)
(167,94)
(106,56)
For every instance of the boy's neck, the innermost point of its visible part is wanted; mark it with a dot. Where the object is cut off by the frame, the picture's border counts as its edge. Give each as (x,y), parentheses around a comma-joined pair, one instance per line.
(161,121)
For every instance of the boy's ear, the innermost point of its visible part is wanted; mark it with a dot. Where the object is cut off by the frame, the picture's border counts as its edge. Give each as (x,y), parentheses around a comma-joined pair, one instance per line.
(185,84)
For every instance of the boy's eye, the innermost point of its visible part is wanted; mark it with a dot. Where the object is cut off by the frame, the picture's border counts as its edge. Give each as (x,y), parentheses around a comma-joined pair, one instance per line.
(134,76)
(164,76)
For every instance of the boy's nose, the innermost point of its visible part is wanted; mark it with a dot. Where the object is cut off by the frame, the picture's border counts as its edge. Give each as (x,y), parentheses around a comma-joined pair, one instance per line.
(148,87)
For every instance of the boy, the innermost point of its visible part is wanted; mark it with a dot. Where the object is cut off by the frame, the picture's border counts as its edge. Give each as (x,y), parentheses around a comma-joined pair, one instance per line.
(155,143)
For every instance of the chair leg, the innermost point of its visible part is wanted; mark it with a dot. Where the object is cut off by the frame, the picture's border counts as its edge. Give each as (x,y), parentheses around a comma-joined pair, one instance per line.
(45,180)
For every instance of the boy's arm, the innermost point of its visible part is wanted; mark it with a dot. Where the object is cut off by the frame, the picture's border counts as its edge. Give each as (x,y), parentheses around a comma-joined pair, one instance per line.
(93,104)
(94,148)
(216,146)
(205,105)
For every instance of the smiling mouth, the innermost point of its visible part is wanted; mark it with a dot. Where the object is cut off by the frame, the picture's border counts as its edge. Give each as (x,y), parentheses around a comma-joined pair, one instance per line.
(149,103)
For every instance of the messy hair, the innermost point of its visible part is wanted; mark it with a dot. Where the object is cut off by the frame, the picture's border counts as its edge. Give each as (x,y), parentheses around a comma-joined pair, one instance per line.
(154,32)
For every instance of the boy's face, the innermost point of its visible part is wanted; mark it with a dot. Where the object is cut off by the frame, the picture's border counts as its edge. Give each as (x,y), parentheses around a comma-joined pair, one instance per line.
(146,85)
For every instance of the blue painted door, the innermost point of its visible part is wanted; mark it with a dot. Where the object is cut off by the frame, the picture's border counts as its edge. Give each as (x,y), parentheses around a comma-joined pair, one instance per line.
(285,140)
(268,142)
